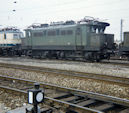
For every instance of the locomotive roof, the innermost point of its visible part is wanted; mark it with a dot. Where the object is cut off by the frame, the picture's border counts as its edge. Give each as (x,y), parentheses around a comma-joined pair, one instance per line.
(100,24)
(10,30)
(51,27)
(88,21)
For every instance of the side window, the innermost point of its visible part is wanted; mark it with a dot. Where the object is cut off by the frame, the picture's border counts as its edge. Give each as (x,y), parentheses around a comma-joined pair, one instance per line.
(69,32)
(51,33)
(78,32)
(63,32)
(102,29)
(5,37)
(29,34)
(35,34)
(38,34)
(44,33)
(26,34)
(15,36)
(57,32)
(97,30)
(21,35)
(93,29)
(88,29)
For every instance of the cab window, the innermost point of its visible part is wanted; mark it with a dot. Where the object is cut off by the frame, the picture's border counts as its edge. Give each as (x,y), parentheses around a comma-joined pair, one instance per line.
(63,32)
(28,34)
(38,34)
(15,36)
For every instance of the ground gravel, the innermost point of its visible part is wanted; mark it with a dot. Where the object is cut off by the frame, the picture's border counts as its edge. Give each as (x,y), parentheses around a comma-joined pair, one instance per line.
(10,101)
(106,69)
(67,81)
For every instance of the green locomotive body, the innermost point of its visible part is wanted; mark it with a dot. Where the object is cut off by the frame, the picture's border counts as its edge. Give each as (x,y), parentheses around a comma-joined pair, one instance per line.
(69,40)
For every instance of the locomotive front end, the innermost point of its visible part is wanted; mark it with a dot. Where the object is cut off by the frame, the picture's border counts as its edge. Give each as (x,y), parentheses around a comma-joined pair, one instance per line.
(108,46)
(99,45)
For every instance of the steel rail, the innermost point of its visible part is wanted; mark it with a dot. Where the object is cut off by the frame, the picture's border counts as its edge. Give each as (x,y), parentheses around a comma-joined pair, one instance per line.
(70,105)
(112,61)
(97,96)
(122,81)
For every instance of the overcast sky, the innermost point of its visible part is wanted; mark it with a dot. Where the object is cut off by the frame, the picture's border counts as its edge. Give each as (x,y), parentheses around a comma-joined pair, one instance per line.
(46,11)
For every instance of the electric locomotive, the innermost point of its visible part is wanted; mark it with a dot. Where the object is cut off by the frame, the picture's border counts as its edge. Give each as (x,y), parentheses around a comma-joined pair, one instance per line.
(10,40)
(84,39)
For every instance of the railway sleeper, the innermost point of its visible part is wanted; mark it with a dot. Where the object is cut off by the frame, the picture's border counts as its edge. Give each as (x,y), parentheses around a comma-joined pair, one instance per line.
(70,99)
(46,110)
(104,107)
(86,102)
(62,95)
(125,111)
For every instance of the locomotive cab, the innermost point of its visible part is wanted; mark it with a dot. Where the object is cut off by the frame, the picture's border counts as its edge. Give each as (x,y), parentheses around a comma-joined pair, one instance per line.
(98,44)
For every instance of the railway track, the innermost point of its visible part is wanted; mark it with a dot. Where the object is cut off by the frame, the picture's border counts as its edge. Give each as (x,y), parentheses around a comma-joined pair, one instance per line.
(121,81)
(113,61)
(72,100)
(116,62)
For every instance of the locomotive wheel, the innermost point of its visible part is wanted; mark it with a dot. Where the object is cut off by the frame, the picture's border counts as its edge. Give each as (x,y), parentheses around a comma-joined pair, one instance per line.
(97,58)
(108,57)
(49,55)
(62,55)
(29,53)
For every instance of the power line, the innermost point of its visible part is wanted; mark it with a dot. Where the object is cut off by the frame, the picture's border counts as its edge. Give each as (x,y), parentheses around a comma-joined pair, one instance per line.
(92,5)
(56,5)
(71,9)
(82,8)
(73,3)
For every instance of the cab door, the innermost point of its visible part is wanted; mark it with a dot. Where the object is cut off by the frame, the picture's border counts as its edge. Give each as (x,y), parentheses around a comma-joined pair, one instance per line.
(29,39)
(78,38)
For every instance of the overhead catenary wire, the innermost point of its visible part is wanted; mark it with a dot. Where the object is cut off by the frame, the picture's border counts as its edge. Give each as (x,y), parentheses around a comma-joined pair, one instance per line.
(76,6)
(65,8)
(65,4)
(50,12)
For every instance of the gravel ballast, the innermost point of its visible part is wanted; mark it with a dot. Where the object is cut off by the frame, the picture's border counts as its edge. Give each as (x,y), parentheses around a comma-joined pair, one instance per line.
(10,101)
(62,80)
(105,69)
(68,81)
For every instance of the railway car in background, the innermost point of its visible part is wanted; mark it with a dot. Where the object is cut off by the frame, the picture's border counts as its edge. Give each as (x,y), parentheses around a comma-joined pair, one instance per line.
(10,41)
(124,46)
(83,39)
